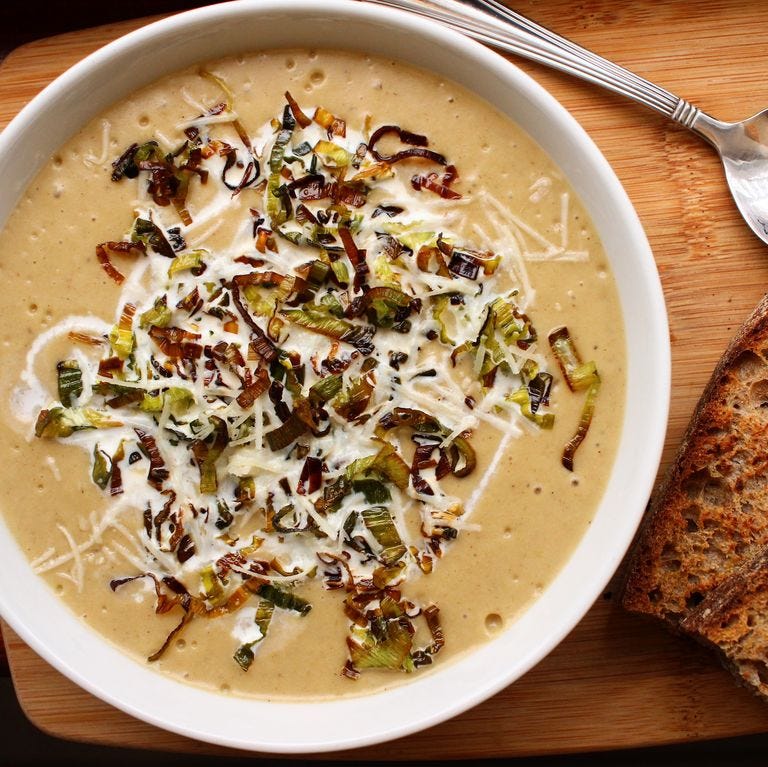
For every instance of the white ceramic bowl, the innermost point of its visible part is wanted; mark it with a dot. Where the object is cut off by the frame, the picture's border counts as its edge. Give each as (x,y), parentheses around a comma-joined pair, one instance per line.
(52,630)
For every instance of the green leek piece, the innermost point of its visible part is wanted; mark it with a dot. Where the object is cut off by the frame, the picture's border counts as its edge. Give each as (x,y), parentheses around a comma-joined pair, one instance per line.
(70,381)
(159,315)
(382,527)
(62,422)
(332,155)
(102,467)
(318,319)
(244,654)
(121,336)
(285,600)
(192,259)
(207,452)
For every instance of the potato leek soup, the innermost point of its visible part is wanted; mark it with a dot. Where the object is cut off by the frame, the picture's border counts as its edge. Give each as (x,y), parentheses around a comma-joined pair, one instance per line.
(313,371)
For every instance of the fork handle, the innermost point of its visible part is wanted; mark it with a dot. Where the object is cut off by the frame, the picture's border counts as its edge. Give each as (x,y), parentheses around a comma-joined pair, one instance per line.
(567,56)
(492,23)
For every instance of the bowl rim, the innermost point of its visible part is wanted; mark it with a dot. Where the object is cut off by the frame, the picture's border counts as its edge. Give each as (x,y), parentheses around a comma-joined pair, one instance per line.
(76,663)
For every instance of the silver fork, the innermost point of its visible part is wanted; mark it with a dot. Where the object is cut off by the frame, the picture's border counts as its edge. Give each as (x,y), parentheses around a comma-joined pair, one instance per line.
(742,146)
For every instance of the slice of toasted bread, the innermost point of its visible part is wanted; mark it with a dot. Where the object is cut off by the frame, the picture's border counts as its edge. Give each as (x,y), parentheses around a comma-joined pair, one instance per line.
(733,619)
(710,515)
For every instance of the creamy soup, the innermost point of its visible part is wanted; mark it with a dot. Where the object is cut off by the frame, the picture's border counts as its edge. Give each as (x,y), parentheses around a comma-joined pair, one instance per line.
(305,436)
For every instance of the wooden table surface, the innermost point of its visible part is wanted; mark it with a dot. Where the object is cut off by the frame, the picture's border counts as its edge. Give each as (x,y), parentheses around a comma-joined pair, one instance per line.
(616,681)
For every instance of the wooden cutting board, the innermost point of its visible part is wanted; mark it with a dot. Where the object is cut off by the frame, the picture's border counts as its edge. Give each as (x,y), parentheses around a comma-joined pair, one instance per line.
(616,681)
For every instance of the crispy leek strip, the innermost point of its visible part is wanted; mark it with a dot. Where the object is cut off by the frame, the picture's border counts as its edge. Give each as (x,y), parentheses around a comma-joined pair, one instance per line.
(244,655)
(150,234)
(301,118)
(206,453)
(386,465)
(578,375)
(462,459)
(121,336)
(102,467)
(534,394)
(159,315)
(352,403)
(379,521)
(389,647)
(298,423)
(504,323)
(441,303)
(381,636)
(332,155)
(278,202)
(522,398)
(386,307)
(325,389)
(230,106)
(62,422)
(179,401)
(318,319)
(584,423)
(192,260)
(285,600)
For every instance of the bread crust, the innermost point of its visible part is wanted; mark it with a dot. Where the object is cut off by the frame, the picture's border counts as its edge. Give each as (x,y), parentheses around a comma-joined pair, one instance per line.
(710,514)
(733,620)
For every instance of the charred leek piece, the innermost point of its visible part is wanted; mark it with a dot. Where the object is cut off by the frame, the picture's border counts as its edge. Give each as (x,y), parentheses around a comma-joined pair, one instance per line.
(152,236)
(463,462)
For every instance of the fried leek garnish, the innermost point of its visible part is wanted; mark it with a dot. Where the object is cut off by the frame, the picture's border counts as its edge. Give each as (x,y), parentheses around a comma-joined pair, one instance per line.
(300,404)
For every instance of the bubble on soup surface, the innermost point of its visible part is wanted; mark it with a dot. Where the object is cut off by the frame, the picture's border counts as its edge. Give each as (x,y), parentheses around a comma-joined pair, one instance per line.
(493,623)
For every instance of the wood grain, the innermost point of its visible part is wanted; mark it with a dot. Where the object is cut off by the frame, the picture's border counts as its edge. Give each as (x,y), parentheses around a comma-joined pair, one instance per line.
(616,680)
